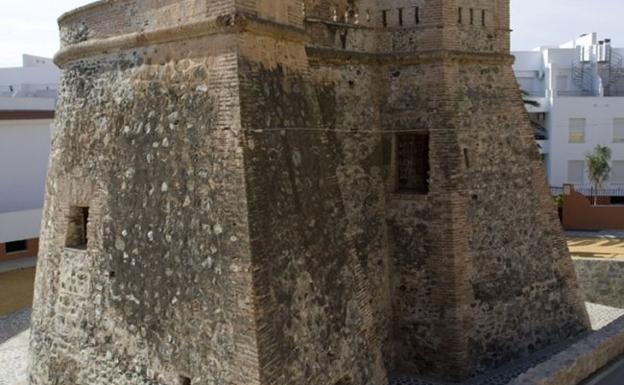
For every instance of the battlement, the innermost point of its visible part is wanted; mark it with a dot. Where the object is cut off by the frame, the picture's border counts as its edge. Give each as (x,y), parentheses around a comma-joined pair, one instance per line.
(398,26)
(113,18)
(393,26)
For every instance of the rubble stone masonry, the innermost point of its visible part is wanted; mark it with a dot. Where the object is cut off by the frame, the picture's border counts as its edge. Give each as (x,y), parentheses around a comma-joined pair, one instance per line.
(279,192)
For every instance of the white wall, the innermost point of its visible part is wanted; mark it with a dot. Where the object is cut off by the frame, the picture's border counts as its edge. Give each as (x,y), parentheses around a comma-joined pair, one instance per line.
(20,225)
(25,146)
(24,151)
(599,113)
(28,104)
(38,77)
(541,72)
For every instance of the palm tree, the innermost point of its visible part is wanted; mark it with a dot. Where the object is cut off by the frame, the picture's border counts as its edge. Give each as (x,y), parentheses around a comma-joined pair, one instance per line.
(539,132)
(598,168)
(526,99)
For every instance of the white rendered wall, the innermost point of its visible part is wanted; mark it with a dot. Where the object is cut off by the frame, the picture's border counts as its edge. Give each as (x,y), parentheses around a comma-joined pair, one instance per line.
(599,113)
(38,77)
(24,152)
(546,73)
(20,225)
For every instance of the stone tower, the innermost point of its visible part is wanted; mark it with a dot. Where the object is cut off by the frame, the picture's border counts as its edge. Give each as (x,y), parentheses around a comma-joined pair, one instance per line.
(279,192)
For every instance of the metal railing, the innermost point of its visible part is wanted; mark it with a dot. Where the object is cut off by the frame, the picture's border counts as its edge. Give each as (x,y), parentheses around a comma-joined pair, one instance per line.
(588,190)
(613,73)
(583,78)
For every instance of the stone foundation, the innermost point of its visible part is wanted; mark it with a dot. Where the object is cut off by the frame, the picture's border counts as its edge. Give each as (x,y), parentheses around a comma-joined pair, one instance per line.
(601,280)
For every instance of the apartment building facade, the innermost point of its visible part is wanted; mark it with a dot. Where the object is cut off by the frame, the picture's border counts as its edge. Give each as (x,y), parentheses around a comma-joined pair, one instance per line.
(27,102)
(578,90)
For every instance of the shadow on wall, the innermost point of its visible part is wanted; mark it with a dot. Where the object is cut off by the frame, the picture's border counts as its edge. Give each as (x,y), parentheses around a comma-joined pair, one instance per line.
(580,214)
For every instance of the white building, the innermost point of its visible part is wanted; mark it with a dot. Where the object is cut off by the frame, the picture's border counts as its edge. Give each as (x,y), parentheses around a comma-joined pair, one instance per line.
(580,90)
(27,102)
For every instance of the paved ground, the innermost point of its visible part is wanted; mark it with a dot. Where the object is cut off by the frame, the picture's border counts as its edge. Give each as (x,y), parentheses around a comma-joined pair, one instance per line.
(612,248)
(22,263)
(600,315)
(14,347)
(596,234)
(16,290)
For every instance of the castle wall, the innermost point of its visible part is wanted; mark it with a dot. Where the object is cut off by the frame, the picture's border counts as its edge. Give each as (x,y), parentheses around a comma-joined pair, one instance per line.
(524,290)
(354,128)
(109,19)
(315,326)
(425,242)
(152,147)
(430,237)
(247,222)
(185,274)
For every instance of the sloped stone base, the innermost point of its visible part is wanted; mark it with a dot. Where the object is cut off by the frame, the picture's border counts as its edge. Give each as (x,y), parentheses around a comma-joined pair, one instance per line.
(563,364)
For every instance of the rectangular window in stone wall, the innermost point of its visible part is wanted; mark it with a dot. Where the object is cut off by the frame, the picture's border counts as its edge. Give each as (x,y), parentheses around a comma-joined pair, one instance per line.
(77,223)
(412,163)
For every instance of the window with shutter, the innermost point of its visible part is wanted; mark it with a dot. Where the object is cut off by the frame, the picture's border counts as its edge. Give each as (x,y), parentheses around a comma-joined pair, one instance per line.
(576,171)
(618,130)
(617,171)
(577,130)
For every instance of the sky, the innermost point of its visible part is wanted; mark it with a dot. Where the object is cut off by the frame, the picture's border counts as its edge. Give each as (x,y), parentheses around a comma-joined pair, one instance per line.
(29,26)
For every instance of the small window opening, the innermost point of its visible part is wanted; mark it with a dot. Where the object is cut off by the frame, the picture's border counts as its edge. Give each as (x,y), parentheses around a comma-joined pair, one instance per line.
(111,274)
(343,38)
(182,380)
(16,247)
(384,18)
(401,16)
(412,163)
(466,158)
(368,16)
(483,18)
(417,15)
(471,16)
(460,15)
(77,227)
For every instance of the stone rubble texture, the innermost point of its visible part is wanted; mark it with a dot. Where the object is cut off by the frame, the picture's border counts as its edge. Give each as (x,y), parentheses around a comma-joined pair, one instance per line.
(238,162)
(601,280)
